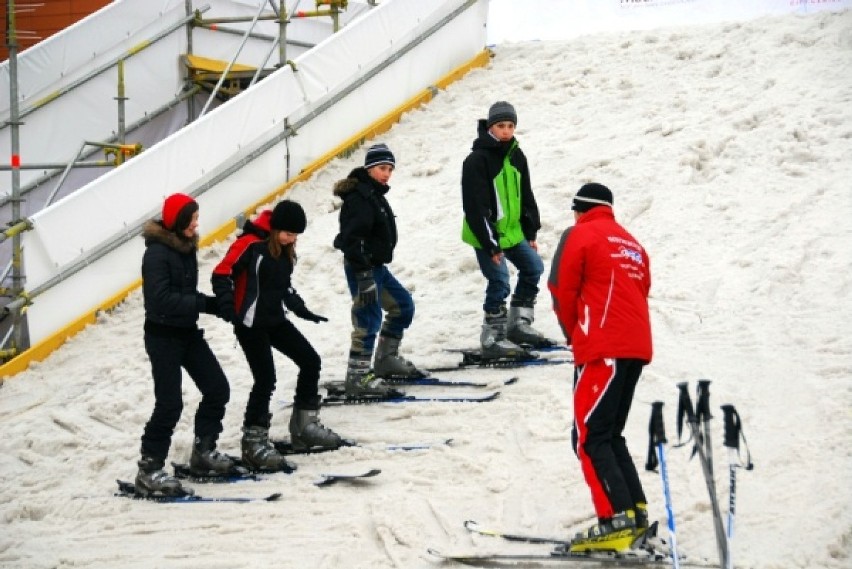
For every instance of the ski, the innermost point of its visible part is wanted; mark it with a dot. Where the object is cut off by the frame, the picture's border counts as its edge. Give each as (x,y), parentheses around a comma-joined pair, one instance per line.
(338,386)
(128,490)
(551,346)
(408,447)
(475,527)
(501,363)
(555,347)
(402,398)
(559,558)
(328,479)
(284,447)
(237,474)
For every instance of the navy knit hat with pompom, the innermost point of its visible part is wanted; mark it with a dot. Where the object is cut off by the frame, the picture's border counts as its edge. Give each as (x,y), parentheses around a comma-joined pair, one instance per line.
(379,154)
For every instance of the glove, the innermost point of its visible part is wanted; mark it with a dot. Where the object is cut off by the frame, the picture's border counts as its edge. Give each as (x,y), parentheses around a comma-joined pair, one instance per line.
(226,311)
(211,305)
(296,304)
(367,292)
(306,314)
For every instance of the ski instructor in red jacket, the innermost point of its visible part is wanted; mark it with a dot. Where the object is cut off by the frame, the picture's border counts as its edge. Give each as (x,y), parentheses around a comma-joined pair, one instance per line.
(600,281)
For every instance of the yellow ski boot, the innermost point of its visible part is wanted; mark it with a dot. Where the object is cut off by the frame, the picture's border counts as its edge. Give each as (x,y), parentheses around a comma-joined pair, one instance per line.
(615,535)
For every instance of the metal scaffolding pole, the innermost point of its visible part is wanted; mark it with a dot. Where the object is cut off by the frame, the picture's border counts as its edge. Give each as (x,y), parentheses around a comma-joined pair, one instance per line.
(15,161)
(233,60)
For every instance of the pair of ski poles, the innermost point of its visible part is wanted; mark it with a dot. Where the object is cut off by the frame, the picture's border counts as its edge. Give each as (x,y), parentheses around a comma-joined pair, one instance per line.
(698,420)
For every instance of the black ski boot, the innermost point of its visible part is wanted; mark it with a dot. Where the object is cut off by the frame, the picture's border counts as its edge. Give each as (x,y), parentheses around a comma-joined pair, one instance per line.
(259,453)
(307,432)
(207,461)
(152,480)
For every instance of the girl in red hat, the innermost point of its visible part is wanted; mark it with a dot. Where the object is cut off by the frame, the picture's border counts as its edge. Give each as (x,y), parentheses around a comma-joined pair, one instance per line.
(174,341)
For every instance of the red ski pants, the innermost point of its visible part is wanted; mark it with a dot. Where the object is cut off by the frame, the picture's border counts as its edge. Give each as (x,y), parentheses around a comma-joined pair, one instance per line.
(603,393)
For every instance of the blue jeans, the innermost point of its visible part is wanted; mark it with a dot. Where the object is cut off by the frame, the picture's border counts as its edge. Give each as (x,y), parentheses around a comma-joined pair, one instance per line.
(394,299)
(529,265)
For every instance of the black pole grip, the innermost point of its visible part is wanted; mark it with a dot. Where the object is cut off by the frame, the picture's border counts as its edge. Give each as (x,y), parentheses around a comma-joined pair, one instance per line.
(702,405)
(657,435)
(658,427)
(732,427)
(684,408)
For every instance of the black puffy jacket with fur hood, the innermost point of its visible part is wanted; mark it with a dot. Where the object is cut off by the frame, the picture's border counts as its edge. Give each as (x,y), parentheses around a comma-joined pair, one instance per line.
(367,224)
(170,278)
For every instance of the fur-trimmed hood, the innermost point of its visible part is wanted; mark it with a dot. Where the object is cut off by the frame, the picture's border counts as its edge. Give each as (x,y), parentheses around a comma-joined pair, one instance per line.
(153,231)
(344,186)
(358,176)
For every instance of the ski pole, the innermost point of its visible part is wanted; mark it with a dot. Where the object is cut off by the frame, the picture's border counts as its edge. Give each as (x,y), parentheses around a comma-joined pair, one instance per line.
(657,431)
(685,409)
(733,433)
(702,417)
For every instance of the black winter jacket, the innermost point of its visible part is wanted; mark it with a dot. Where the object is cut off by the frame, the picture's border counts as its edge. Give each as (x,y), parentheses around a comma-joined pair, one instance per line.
(367,224)
(170,279)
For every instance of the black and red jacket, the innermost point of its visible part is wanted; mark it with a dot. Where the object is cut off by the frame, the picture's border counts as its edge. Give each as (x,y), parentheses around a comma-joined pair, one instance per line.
(255,283)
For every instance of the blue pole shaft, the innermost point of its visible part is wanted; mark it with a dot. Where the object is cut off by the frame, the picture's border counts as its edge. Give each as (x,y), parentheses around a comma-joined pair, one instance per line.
(732,498)
(664,474)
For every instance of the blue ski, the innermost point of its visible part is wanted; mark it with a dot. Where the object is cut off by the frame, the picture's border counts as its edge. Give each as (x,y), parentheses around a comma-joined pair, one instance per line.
(284,447)
(402,398)
(503,363)
(237,474)
(337,386)
(128,490)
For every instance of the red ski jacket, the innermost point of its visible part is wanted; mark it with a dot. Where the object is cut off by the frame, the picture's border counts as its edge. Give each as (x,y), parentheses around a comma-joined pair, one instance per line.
(600,281)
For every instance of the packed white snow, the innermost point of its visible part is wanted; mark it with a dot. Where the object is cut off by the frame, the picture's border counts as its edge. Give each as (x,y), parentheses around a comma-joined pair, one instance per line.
(729,150)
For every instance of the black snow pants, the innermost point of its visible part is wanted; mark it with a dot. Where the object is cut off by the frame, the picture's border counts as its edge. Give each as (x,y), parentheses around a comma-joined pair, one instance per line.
(257,344)
(169,352)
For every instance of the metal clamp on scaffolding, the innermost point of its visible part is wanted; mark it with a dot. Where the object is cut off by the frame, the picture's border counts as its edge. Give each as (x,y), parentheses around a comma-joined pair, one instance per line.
(18,305)
(15,228)
(335,7)
(119,153)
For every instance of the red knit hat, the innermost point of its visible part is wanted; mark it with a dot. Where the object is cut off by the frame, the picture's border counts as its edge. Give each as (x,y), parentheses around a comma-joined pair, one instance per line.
(172,208)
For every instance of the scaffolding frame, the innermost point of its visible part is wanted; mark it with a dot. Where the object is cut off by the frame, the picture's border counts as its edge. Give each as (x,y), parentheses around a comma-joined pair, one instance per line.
(115,148)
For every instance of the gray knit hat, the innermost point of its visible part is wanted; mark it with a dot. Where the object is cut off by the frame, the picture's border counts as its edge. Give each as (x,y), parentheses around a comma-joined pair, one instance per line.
(502,111)
(379,154)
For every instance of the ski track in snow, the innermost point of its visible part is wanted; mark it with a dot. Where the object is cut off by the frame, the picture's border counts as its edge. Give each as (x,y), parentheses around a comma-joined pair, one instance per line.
(728,150)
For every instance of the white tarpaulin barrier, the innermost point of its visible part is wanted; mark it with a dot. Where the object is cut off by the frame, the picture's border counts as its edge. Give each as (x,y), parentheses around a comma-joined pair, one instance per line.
(512,20)
(236,154)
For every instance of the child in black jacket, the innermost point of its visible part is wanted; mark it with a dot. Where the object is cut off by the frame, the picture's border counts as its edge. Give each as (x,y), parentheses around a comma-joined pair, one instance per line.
(252,286)
(174,341)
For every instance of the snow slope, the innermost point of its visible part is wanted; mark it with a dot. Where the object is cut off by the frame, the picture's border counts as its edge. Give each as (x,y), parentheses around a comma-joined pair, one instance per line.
(728,149)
